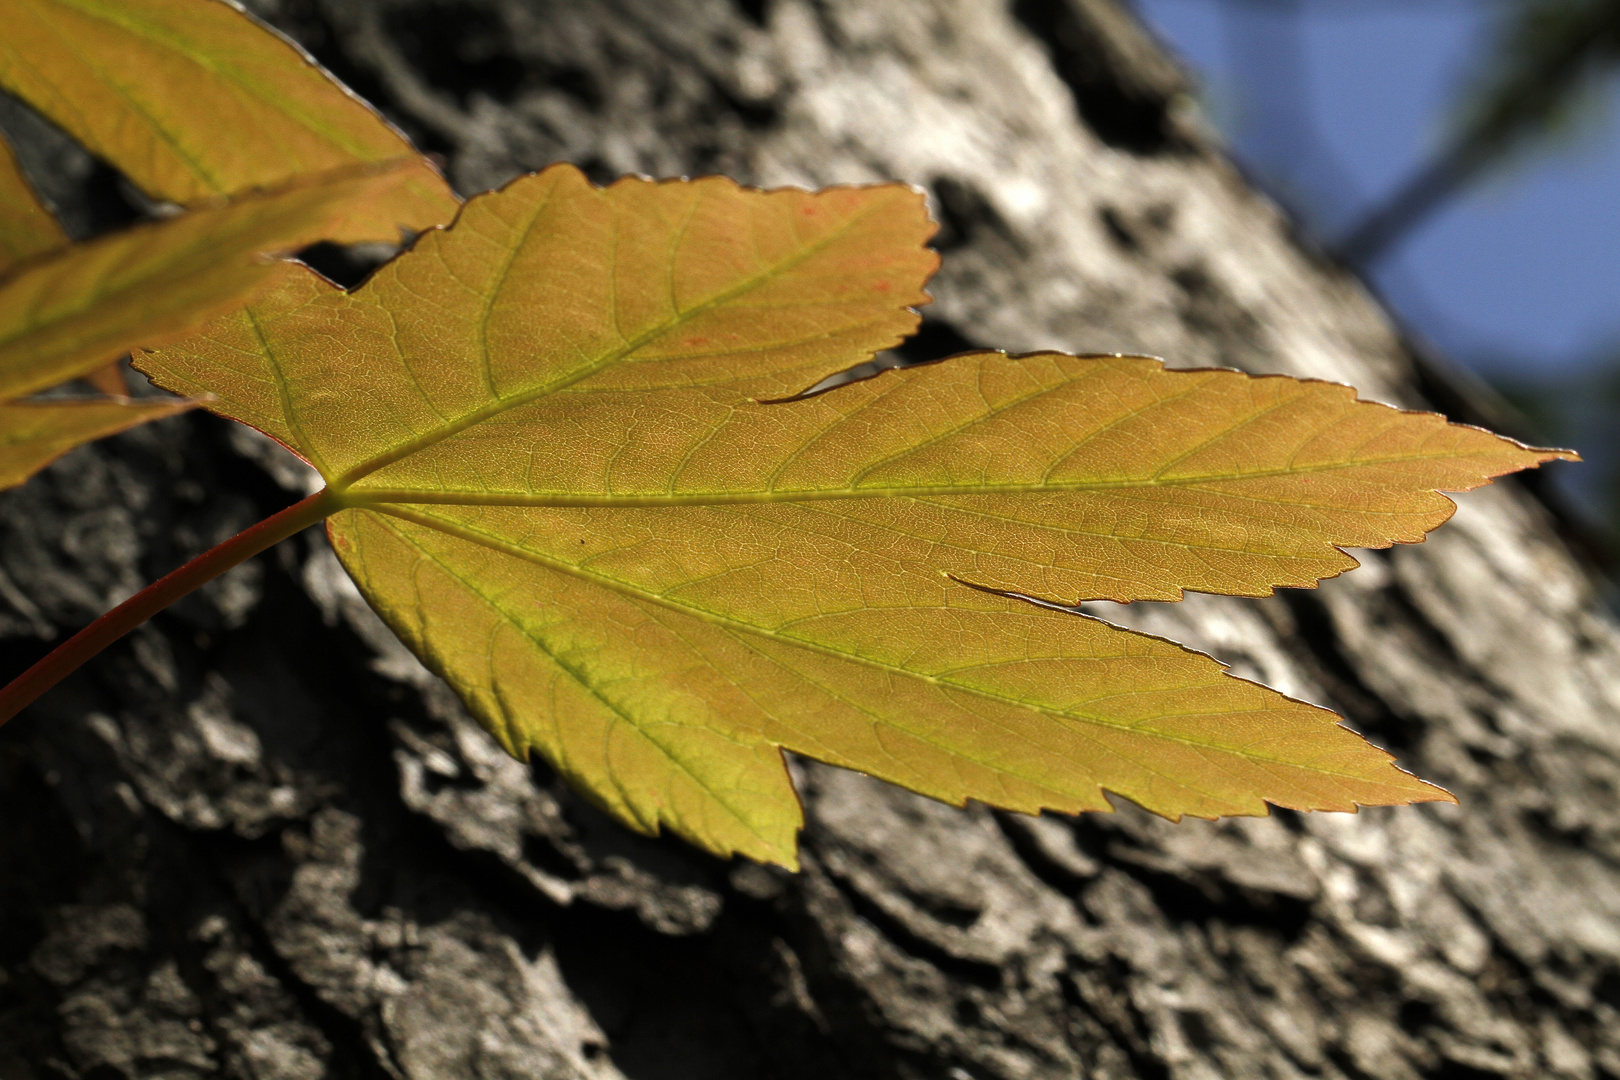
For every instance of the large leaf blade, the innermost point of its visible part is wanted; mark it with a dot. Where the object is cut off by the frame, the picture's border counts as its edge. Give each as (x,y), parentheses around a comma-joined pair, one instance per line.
(194,99)
(573,495)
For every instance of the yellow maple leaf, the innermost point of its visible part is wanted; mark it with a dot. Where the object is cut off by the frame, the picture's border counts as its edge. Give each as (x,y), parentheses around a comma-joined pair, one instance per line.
(570,467)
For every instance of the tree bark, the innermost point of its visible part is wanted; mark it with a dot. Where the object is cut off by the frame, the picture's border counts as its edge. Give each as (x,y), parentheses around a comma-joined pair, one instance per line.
(257,840)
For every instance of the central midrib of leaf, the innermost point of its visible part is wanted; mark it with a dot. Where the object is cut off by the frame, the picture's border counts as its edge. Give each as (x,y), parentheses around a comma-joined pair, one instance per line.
(738,625)
(385,496)
(338,484)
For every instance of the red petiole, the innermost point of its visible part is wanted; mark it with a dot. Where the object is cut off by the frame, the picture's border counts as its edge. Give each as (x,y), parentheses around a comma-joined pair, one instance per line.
(67,657)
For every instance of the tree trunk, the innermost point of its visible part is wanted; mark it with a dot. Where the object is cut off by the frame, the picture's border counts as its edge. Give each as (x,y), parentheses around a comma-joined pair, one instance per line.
(257,840)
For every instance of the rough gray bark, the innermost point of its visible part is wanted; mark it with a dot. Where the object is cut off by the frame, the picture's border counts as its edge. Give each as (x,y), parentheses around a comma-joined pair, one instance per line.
(258,841)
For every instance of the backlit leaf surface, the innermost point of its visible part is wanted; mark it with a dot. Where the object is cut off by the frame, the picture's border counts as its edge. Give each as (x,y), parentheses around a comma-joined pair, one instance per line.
(68,314)
(194,99)
(33,434)
(571,489)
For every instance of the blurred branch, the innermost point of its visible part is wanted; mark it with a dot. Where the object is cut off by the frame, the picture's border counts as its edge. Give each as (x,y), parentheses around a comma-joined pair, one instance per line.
(1546,53)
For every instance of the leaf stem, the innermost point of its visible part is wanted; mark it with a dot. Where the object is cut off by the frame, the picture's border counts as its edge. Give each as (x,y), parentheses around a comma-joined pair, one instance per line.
(72,653)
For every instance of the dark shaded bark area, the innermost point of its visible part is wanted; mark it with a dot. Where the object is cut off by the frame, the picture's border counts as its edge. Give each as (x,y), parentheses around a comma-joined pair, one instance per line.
(256,840)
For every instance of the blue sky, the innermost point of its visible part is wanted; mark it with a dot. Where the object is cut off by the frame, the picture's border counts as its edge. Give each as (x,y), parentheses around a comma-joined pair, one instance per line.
(1520,277)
